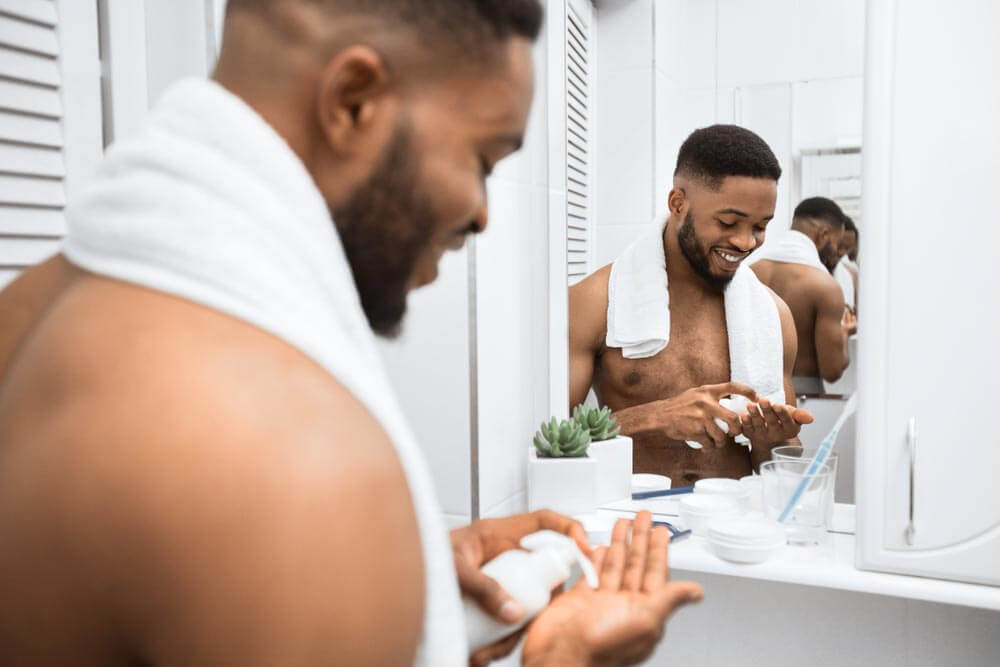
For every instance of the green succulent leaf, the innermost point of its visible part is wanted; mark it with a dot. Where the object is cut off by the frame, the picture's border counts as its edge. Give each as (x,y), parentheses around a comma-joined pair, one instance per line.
(599,422)
(566,438)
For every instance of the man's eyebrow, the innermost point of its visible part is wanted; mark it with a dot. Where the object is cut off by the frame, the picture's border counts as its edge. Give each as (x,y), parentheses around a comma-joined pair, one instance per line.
(733,211)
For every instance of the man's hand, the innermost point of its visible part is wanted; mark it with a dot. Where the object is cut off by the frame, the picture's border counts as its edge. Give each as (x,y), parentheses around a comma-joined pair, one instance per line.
(849,322)
(773,423)
(621,622)
(691,415)
(482,541)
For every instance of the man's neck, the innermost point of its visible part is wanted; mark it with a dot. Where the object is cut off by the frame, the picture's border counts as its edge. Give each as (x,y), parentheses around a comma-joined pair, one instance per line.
(682,280)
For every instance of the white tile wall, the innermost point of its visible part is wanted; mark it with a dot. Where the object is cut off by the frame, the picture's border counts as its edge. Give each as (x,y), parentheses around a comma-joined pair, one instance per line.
(512,286)
(826,112)
(830,39)
(429,370)
(754,623)
(757,41)
(503,297)
(613,239)
(624,142)
(767,110)
(685,48)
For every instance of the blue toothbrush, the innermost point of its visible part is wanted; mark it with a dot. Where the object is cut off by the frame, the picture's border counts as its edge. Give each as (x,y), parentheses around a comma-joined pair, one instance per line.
(821,455)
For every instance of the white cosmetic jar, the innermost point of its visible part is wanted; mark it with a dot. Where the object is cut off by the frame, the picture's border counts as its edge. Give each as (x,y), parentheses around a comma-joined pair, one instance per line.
(697,510)
(755,492)
(723,486)
(642,482)
(745,540)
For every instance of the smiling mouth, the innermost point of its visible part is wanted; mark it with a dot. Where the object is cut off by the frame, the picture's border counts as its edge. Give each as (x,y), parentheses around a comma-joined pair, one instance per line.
(730,259)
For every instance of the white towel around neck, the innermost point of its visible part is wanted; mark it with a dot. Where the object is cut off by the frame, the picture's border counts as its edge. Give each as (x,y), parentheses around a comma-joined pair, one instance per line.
(209,203)
(791,247)
(639,318)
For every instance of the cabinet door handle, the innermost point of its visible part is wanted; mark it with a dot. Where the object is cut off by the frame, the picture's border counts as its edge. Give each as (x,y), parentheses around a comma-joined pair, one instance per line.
(911,441)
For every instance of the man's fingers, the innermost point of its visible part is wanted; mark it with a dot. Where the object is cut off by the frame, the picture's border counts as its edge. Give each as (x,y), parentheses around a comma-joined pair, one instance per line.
(716,434)
(635,563)
(656,560)
(783,417)
(756,419)
(614,558)
(802,416)
(729,388)
(500,649)
(731,419)
(549,520)
(488,594)
(674,595)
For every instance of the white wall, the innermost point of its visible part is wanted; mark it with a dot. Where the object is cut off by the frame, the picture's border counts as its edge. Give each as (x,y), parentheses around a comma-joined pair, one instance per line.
(513,279)
(429,369)
(752,623)
(626,147)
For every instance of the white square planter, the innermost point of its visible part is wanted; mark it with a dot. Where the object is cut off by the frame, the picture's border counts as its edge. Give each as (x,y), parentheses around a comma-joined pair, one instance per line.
(614,468)
(566,485)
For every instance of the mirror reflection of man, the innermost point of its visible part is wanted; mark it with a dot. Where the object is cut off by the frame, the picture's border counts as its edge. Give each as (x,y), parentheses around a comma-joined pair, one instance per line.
(667,398)
(846,271)
(798,267)
(201,461)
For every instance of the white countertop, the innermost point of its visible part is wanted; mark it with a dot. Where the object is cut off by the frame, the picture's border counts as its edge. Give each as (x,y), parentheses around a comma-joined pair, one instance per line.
(828,566)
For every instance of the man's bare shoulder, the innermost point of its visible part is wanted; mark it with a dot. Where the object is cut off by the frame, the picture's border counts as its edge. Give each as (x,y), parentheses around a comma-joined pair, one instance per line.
(244,490)
(821,286)
(588,308)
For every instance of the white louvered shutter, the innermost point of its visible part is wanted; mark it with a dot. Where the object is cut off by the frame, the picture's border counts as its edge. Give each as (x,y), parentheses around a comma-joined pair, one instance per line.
(579,120)
(50,122)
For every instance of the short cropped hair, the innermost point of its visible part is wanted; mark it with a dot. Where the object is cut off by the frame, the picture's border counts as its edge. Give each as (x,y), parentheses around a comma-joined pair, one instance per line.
(473,27)
(712,153)
(821,209)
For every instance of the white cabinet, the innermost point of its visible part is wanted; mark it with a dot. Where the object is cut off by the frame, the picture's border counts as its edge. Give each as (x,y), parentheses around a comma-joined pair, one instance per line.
(928,500)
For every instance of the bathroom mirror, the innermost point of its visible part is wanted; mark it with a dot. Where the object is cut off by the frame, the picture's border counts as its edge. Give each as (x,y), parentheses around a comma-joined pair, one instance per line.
(640,79)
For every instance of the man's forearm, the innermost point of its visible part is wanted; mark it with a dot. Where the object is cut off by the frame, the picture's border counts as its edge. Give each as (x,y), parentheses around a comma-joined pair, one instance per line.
(635,420)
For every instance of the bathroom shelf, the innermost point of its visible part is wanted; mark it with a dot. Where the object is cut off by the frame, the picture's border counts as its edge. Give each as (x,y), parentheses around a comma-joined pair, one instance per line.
(829,566)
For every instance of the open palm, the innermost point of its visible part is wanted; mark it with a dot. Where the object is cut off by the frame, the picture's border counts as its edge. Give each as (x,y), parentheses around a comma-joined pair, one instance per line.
(620,622)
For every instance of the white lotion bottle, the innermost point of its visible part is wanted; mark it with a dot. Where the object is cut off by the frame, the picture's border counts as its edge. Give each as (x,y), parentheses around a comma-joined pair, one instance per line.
(529,577)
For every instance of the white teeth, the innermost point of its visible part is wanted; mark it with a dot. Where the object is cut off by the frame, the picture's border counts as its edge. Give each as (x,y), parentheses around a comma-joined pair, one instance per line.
(730,258)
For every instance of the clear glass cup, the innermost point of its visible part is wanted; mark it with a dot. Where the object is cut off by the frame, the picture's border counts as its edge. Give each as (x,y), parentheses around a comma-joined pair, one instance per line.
(808,522)
(799,453)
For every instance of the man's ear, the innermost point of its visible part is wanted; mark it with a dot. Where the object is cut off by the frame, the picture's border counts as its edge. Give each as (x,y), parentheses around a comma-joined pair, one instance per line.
(822,236)
(352,96)
(677,201)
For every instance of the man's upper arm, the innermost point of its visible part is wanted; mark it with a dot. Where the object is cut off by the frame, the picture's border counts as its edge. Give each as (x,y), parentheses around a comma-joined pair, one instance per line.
(831,347)
(287,537)
(588,307)
(790,346)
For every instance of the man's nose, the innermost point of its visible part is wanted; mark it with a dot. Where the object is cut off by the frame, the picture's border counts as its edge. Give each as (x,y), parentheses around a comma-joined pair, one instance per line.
(744,241)
(479,220)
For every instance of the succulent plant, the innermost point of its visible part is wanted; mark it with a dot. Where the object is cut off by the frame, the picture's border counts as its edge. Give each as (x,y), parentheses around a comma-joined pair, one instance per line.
(566,438)
(599,422)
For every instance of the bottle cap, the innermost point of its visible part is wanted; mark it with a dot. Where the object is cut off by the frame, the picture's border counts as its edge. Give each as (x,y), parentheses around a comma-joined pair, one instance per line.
(566,549)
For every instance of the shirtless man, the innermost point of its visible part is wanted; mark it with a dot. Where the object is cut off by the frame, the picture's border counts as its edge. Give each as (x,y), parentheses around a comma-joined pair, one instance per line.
(181,487)
(815,298)
(846,272)
(725,188)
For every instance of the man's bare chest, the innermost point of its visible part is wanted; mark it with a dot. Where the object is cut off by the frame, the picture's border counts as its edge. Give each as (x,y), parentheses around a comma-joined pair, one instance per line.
(697,354)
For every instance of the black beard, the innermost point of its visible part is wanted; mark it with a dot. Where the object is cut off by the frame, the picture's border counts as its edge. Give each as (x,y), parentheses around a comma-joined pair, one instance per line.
(385,225)
(829,256)
(697,258)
